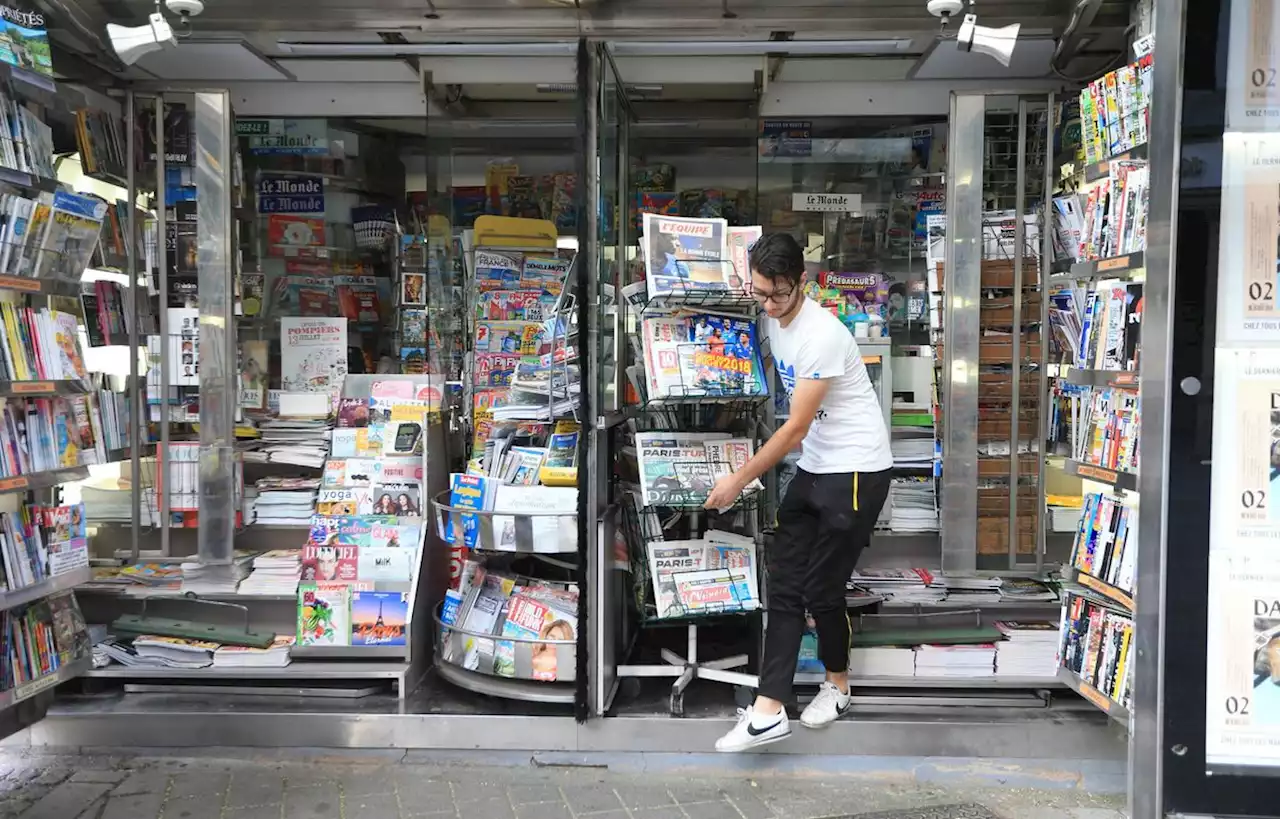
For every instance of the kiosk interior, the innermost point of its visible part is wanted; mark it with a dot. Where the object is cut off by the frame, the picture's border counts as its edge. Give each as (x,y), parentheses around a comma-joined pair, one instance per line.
(453,281)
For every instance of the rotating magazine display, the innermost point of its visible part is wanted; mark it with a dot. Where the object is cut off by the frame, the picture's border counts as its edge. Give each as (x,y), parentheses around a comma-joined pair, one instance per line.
(703,397)
(508,625)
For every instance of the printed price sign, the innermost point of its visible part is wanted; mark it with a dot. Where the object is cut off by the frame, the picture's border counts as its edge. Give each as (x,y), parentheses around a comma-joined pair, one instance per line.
(1246,444)
(1243,688)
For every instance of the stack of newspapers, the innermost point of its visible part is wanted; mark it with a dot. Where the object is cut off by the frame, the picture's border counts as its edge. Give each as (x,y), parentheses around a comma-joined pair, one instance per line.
(716,574)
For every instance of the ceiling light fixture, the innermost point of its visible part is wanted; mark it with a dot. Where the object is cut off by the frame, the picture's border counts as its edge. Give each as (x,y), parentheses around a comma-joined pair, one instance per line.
(638,48)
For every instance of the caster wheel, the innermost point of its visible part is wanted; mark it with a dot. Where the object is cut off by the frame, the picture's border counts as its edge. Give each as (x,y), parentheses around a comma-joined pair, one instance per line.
(677,705)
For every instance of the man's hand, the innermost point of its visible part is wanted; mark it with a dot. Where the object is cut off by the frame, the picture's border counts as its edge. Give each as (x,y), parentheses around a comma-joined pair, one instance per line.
(725,493)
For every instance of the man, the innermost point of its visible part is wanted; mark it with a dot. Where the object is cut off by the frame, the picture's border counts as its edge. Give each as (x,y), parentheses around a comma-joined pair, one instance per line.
(827,516)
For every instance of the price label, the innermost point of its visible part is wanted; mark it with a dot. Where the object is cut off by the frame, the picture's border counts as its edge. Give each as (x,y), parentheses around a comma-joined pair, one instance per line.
(29,387)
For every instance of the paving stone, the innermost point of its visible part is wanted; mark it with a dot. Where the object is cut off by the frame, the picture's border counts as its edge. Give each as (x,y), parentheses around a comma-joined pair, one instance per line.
(669,812)
(543,810)
(211,786)
(67,800)
(591,799)
(964,811)
(255,788)
(144,781)
(527,794)
(712,810)
(1095,813)
(751,807)
(692,794)
(311,803)
(486,809)
(464,792)
(636,797)
(142,806)
(367,780)
(372,806)
(109,777)
(275,811)
(199,807)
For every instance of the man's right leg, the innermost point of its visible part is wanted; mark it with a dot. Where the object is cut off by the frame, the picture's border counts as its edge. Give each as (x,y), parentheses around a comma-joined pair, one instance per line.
(787,561)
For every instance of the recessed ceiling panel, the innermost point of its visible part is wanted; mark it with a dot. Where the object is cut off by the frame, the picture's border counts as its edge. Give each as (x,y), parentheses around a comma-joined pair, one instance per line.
(350,70)
(210,61)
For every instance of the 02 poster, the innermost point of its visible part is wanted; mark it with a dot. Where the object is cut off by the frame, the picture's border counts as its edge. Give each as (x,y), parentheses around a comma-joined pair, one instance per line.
(1243,660)
(1253,59)
(1245,511)
(1249,252)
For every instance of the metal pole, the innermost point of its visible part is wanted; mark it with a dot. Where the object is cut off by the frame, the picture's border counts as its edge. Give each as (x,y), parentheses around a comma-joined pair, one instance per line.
(162,262)
(1019,239)
(1046,257)
(137,399)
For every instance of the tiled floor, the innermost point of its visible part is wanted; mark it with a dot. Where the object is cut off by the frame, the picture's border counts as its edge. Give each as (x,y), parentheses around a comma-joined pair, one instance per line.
(57,786)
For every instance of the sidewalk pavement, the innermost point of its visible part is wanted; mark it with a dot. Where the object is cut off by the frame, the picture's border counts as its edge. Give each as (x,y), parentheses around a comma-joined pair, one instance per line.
(266,785)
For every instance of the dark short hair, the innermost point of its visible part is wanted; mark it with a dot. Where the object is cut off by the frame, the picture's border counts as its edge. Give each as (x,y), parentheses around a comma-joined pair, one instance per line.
(778,255)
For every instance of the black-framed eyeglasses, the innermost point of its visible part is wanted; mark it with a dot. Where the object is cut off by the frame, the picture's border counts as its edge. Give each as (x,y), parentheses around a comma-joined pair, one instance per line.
(777,296)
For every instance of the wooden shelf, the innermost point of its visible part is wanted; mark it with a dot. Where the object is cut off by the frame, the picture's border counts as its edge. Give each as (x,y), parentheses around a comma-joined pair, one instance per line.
(1101,378)
(1113,267)
(1103,588)
(1104,703)
(1119,479)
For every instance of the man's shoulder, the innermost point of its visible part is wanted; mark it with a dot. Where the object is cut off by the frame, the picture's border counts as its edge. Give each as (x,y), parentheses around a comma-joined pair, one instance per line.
(823,326)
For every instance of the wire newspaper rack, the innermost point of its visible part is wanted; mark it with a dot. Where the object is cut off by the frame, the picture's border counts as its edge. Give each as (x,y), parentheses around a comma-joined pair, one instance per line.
(686,294)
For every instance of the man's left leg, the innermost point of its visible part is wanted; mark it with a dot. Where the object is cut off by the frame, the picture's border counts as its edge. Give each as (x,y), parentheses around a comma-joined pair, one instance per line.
(849,506)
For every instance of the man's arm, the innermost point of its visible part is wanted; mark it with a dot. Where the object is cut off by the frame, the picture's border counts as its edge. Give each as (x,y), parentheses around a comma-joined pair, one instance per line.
(805,402)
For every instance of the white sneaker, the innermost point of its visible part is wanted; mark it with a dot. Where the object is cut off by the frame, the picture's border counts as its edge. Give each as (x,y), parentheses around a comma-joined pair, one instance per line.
(830,704)
(754,730)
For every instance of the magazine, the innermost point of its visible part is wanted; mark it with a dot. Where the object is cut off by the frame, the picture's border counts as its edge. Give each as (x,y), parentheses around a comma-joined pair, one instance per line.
(313,354)
(324,614)
(682,255)
(71,234)
(254,368)
(531,615)
(554,532)
(379,618)
(703,354)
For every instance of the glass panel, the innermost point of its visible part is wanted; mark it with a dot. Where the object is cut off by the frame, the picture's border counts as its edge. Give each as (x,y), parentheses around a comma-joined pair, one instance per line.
(611,113)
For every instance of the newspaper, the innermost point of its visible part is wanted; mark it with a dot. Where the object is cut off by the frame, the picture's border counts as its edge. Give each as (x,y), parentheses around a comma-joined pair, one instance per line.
(674,467)
(683,255)
(715,574)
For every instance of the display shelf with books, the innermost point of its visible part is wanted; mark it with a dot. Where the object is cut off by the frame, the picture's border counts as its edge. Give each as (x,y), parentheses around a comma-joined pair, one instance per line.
(1096,305)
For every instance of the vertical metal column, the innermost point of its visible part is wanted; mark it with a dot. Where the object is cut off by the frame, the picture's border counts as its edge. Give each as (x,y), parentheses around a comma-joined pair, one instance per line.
(1046,260)
(217,359)
(1015,404)
(137,397)
(963,271)
(1164,151)
(163,485)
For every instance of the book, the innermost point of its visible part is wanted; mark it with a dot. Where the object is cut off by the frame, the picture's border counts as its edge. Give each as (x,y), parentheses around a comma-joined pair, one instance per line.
(324,614)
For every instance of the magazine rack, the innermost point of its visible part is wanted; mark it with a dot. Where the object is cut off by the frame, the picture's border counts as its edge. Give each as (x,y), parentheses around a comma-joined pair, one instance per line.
(539,670)
(523,533)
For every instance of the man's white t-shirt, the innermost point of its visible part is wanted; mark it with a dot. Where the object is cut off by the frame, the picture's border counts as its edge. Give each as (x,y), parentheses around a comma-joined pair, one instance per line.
(848,434)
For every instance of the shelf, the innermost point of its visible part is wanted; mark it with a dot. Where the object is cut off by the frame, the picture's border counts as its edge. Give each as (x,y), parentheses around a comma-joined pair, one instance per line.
(1104,703)
(1101,378)
(1112,267)
(126,453)
(1020,605)
(38,591)
(44,287)
(43,480)
(349,652)
(32,182)
(35,389)
(1103,588)
(294,671)
(988,681)
(27,690)
(1127,481)
(1100,170)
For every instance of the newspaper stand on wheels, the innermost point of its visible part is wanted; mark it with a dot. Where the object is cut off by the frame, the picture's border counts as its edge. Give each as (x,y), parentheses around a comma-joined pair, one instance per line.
(533,549)
(672,504)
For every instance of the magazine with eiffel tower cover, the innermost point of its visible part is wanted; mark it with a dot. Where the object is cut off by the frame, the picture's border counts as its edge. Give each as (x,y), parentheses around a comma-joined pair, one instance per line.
(379,618)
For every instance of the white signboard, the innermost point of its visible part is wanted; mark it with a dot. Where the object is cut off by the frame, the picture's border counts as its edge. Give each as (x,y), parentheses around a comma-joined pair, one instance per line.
(827,202)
